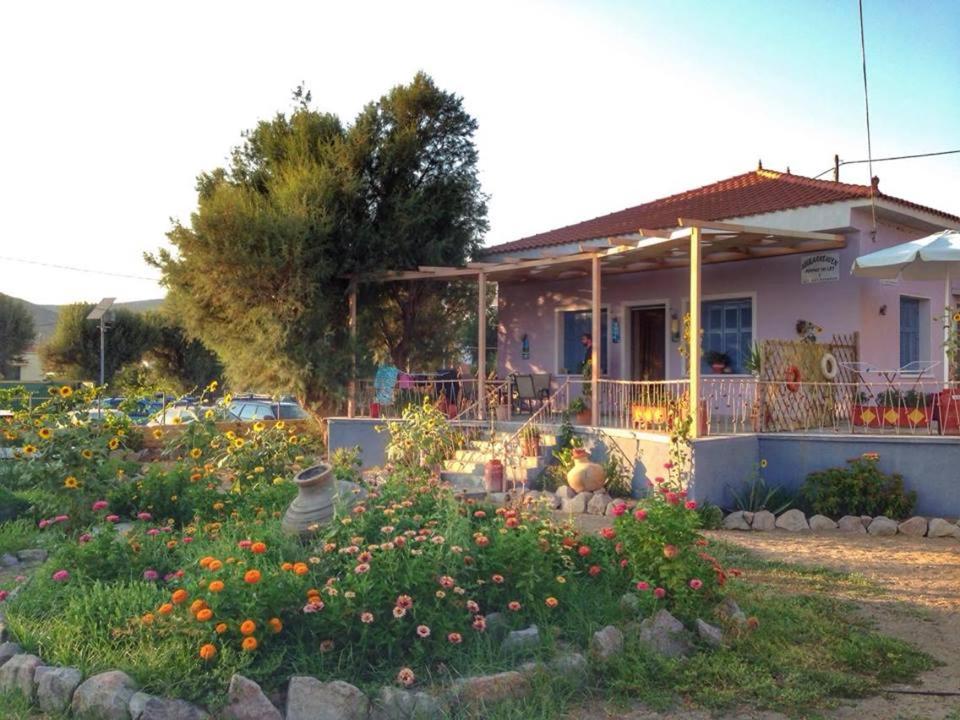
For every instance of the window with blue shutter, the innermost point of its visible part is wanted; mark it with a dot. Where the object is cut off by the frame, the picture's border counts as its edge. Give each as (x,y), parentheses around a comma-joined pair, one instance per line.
(909,330)
(727,329)
(576,324)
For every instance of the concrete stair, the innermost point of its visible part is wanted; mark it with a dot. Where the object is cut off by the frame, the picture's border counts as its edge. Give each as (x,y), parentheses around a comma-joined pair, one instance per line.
(465,470)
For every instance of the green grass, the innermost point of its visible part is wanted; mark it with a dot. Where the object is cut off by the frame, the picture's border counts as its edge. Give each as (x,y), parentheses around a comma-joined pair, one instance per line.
(17,535)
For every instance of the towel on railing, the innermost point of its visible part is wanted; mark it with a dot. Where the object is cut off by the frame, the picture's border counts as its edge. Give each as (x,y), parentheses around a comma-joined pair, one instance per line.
(384,383)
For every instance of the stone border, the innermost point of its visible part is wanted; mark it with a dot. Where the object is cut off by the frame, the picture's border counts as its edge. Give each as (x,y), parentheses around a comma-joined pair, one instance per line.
(565,499)
(114,695)
(795,521)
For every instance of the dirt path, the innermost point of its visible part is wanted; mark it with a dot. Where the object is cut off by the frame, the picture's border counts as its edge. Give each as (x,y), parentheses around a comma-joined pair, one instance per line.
(920,604)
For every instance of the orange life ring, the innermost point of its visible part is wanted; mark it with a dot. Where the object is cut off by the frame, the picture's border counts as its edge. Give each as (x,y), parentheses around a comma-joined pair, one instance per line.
(793,378)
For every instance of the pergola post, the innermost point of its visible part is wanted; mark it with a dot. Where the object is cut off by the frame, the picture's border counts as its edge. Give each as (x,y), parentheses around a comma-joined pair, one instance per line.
(695,321)
(595,344)
(948,311)
(352,389)
(482,343)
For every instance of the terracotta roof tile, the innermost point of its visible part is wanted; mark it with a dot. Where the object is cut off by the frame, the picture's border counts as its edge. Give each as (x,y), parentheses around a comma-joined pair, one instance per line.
(759,191)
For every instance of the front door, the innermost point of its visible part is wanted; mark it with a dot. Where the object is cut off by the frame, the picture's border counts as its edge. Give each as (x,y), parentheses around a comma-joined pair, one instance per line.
(647,344)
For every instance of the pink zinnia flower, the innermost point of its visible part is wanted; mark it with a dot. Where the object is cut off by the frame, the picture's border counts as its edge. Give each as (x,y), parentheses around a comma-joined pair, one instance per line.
(61,576)
(150,575)
(144,516)
(61,518)
(667,465)
(583,550)
(99,505)
(366,617)
(643,585)
(3,595)
(472,607)
(423,631)
(244,544)
(404,601)
(659,593)
(455,638)
(514,606)
(362,568)
(152,532)
(608,533)
(447,582)
(85,538)
(690,504)
(670,551)
(112,518)
(619,509)
(399,612)
(640,514)
(659,480)
(479,623)
(315,605)
(672,498)
(42,524)
(406,677)
(696,583)
(187,540)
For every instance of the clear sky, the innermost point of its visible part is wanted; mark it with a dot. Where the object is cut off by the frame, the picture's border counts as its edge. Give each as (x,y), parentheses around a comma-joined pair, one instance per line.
(110,110)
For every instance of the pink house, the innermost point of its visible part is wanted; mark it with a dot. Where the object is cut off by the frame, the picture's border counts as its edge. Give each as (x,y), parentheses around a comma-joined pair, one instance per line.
(748,293)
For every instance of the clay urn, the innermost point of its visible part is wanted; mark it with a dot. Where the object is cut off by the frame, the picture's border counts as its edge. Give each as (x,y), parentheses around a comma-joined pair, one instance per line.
(584,476)
(318,494)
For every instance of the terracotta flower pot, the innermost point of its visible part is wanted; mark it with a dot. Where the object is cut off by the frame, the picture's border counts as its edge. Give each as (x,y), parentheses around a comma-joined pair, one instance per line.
(584,476)
(317,496)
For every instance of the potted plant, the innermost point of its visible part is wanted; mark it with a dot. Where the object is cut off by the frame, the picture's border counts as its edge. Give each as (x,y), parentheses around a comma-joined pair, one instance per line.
(530,436)
(718,361)
(578,407)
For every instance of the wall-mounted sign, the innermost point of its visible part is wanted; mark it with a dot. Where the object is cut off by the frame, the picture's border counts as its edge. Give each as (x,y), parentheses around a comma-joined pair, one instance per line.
(818,268)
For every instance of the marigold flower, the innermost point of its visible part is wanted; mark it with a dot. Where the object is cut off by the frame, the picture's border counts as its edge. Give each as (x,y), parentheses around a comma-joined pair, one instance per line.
(165,609)
(179,596)
(406,677)
(147,619)
(248,627)
(275,625)
(258,548)
(205,615)
(249,644)
(551,602)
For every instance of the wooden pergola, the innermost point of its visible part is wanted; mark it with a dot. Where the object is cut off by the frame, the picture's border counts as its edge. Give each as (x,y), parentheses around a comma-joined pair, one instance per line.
(693,244)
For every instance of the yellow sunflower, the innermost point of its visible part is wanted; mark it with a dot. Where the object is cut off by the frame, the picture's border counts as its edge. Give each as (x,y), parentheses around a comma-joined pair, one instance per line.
(158,433)
(45,433)
(279,425)
(195,453)
(258,426)
(176,420)
(71,483)
(86,453)
(956,317)
(209,414)
(9,435)
(114,443)
(29,449)
(238,442)
(52,391)
(66,391)
(293,440)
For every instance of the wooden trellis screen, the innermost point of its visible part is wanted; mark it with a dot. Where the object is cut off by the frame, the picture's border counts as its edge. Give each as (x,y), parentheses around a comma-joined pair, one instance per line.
(818,402)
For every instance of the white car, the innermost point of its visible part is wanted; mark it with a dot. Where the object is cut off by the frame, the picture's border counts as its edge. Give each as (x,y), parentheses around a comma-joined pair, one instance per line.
(186,414)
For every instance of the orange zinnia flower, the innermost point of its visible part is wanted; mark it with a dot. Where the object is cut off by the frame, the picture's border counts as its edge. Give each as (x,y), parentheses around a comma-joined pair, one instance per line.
(252,577)
(205,615)
(286,566)
(208,652)
(165,609)
(551,602)
(275,624)
(214,566)
(249,644)
(221,628)
(301,568)
(216,586)
(259,548)
(147,619)
(179,596)
(205,561)
(196,606)
(248,627)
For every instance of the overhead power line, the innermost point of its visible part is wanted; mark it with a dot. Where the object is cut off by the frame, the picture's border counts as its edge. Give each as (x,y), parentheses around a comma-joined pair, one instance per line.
(79,269)
(886,159)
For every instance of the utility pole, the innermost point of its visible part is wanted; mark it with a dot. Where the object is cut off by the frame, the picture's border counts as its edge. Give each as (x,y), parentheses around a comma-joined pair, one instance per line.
(100,313)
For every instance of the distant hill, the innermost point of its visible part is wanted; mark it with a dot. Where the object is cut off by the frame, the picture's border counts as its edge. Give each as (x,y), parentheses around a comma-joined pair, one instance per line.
(45,316)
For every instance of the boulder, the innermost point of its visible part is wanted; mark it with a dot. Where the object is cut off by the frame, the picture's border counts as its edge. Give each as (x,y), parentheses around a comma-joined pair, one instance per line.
(710,634)
(764,520)
(822,522)
(606,643)
(793,520)
(8,560)
(246,701)
(32,555)
(565,492)
(8,650)
(729,609)
(395,704)
(851,524)
(598,503)
(138,701)
(576,504)
(163,709)
(105,696)
(571,667)
(520,641)
(665,634)
(487,689)
(881,525)
(736,521)
(941,528)
(497,626)
(616,502)
(748,516)
(55,686)
(630,603)
(16,675)
(915,526)
(866,520)
(311,699)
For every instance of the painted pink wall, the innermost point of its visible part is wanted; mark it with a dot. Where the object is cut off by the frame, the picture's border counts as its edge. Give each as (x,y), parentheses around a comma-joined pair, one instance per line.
(844,306)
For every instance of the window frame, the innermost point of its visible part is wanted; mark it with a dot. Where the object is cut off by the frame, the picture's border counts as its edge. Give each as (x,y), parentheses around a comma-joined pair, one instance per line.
(750,295)
(924,319)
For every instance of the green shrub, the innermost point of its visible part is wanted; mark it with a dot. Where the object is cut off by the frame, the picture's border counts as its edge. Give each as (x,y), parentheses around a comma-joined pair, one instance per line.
(755,495)
(711,516)
(11,506)
(860,488)
(16,535)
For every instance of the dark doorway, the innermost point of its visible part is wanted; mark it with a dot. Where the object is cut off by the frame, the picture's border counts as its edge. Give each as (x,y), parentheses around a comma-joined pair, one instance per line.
(647,343)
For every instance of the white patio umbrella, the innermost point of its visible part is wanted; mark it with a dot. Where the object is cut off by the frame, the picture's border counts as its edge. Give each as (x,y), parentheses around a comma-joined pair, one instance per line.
(935,257)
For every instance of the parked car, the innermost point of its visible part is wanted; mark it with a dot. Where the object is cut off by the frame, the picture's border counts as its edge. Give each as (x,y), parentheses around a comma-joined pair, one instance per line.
(264,408)
(184,414)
